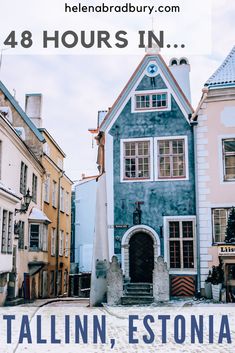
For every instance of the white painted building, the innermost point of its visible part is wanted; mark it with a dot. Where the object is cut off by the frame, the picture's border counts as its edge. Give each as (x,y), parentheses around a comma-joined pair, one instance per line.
(85,203)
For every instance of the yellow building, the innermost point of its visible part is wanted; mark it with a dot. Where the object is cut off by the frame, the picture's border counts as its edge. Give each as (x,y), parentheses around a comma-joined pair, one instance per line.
(57,207)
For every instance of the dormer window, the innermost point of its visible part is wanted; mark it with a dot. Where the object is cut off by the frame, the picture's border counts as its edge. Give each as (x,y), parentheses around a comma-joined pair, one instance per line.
(151,101)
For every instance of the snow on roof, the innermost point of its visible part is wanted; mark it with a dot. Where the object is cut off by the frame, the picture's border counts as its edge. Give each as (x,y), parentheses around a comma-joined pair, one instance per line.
(38,215)
(224,76)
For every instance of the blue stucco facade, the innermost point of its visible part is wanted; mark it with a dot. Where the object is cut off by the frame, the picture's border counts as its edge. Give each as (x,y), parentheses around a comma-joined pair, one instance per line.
(161,198)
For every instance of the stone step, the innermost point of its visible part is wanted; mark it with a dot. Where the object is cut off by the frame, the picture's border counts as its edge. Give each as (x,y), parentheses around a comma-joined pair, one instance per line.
(139,285)
(136,300)
(139,290)
(14,302)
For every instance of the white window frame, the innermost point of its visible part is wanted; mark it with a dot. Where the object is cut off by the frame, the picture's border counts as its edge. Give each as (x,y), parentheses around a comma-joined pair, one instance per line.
(47,190)
(54,194)
(67,202)
(44,237)
(150,92)
(66,251)
(223,153)
(136,180)
(34,187)
(221,158)
(182,137)
(61,199)
(61,243)
(53,241)
(228,208)
(166,220)
(39,236)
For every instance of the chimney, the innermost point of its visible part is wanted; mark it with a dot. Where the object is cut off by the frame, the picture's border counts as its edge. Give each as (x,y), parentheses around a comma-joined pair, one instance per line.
(180,69)
(33,108)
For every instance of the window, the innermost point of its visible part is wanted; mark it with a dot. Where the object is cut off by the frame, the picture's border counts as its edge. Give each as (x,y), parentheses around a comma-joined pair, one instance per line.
(7,231)
(54,193)
(229,159)
(62,199)
(53,239)
(47,190)
(171,159)
(61,243)
(34,237)
(137,160)
(220,220)
(67,245)
(44,237)
(23,178)
(67,202)
(21,235)
(151,101)
(181,244)
(34,188)
(14,267)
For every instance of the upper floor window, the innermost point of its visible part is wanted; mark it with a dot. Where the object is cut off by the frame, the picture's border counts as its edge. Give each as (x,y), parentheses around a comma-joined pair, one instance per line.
(7,231)
(171,159)
(23,178)
(220,220)
(181,244)
(34,237)
(62,199)
(61,243)
(151,101)
(53,241)
(38,236)
(34,188)
(47,190)
(137,160)
(67,203)
(229,159)
(54,193)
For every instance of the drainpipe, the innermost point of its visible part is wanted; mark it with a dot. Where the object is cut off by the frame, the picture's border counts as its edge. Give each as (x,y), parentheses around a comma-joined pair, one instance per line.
(194,124)
(58,234)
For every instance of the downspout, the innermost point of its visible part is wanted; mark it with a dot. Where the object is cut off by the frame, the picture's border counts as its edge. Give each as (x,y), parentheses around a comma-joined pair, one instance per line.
(194,123)
(58,234)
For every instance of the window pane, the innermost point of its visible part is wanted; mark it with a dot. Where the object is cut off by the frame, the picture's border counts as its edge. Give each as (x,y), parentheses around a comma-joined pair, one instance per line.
(34,236)
(165,169)
(229,146)
(174,254)
(187,228)
(174,229)
(230,167)
(220,224)
(188,254)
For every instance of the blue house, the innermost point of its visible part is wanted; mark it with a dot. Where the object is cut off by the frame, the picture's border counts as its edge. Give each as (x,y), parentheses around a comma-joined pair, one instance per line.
(149,165)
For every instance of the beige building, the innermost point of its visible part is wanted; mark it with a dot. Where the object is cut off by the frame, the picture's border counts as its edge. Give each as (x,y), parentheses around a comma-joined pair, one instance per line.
(57,207)
(23,231)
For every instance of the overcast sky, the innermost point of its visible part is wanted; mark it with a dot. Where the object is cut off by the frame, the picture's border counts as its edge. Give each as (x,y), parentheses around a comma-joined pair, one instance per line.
(75,87)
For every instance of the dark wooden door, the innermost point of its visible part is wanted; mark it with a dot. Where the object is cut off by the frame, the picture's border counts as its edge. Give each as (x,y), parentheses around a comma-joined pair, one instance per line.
(141,258)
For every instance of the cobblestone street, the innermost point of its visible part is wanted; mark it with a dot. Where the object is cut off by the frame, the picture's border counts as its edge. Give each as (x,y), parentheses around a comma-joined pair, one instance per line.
(117,327)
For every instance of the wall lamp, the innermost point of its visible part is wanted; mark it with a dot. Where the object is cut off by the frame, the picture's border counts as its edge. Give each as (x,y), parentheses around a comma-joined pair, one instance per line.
(25,205)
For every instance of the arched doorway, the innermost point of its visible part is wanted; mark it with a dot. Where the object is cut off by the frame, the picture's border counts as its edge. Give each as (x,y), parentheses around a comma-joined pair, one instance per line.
(141,258)
(140,242)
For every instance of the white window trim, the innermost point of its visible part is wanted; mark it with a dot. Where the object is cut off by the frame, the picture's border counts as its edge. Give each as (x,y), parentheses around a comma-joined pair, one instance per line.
(122,141)
(154,91)
(39,248)
(53,241)
(221,159)
(166,220)
(182,137)
(47,196)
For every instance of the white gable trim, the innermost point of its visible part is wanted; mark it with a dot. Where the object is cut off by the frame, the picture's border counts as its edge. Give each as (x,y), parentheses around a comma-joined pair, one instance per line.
(121,103)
